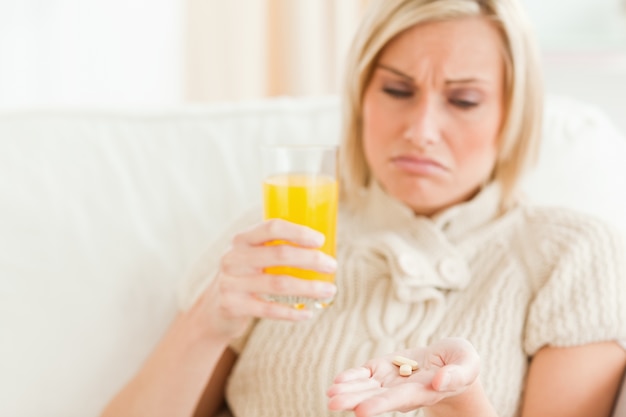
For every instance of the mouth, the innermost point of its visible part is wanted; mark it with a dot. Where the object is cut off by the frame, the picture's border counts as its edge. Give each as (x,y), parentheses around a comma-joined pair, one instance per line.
(418,165)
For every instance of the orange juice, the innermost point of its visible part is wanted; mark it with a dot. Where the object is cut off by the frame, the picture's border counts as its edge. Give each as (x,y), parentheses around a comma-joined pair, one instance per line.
(309,200)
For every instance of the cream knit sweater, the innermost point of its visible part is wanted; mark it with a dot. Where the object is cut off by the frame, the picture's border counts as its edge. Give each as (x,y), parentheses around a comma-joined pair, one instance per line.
(510,284)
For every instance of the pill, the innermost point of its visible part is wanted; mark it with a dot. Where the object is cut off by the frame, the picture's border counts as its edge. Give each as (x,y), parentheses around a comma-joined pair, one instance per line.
(401,360)
(405,369)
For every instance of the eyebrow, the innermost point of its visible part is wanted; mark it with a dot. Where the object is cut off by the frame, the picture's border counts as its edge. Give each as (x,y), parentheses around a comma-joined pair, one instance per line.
(448,82)
(395,71)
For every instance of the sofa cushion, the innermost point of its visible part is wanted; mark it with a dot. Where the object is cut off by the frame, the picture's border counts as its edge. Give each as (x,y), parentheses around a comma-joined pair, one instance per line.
(102,212)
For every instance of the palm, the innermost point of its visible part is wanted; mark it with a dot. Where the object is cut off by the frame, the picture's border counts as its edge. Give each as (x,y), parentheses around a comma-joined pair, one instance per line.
(378,386)
(386,376)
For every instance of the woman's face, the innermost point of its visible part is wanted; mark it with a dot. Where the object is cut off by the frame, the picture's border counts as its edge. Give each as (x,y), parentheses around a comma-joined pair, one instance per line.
(432,112)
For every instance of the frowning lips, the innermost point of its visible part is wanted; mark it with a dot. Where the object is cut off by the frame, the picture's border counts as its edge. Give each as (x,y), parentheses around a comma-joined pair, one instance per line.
(418,165)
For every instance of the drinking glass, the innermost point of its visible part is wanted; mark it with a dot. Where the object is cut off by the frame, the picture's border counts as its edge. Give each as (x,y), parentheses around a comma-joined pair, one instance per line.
(300,185)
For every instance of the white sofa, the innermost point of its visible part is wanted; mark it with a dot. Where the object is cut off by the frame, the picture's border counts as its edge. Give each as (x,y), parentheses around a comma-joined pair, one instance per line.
(102,212)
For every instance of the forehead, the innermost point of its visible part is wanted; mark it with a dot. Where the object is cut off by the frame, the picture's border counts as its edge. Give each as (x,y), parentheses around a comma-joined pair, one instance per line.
(460,47)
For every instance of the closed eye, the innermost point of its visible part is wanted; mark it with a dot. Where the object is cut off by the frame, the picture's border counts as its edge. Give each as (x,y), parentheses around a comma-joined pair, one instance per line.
(463,104)
(398,93)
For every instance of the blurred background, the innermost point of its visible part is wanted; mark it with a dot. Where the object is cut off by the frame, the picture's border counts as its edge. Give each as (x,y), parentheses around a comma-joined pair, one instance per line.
(155,53)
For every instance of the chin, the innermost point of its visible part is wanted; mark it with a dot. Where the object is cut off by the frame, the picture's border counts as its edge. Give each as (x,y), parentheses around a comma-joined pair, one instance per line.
(421,199)
(426,208)
(425,196)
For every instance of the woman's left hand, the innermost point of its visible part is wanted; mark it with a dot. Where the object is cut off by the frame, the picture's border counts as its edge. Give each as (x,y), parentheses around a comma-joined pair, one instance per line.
(447,368)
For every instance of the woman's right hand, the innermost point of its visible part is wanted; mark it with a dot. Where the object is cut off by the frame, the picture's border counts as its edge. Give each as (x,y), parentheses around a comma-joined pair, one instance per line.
(235,295)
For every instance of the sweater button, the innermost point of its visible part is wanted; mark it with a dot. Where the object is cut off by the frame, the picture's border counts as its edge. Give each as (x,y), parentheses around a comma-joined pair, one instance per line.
(408,264)
(449,269)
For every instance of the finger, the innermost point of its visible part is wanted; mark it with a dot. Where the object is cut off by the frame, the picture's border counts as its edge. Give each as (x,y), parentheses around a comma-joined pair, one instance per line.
(454,378)
(278,229)
(278,285)
(460,364)
(352,387)
(235,305)
(351,400)
(252,260)
(454,350)
(353,374)
(404,397)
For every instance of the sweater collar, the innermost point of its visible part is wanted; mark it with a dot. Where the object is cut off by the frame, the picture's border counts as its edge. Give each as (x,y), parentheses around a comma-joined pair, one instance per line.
(382,212)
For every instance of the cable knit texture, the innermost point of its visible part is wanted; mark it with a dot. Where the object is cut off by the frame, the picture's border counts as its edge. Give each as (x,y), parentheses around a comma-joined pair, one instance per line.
(508,283)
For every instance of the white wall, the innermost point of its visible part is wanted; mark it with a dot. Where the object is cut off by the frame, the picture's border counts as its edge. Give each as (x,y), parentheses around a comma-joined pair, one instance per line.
(90,52)
(578,24)
(584,51)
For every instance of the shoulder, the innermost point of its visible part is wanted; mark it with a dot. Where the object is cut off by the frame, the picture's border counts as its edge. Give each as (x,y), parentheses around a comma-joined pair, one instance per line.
(577,268)
(567,226)
(556,239)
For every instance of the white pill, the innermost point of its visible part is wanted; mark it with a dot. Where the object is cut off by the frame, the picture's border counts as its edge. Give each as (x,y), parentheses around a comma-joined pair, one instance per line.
(401,360)
(405,369)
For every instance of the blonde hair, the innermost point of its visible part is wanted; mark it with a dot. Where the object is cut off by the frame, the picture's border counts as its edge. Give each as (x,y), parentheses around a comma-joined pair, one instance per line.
(519,136)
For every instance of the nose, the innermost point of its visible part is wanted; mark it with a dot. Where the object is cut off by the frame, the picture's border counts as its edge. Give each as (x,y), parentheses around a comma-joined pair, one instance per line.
(423,123)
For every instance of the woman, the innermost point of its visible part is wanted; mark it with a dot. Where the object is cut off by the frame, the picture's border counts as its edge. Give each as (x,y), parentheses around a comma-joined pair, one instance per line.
(509,309)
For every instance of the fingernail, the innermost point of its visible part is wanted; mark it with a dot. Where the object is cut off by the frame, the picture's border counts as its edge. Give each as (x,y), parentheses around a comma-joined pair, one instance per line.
(326,290)
(329,264)
(318,240)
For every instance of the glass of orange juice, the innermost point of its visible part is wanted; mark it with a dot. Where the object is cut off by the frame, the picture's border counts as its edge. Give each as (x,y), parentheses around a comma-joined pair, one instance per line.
(300,185)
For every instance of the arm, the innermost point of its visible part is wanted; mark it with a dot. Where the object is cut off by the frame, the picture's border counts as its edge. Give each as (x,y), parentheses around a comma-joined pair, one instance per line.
(567,382)
(213,396)
(176,373)
(185,374)
(574,382)
(472,402)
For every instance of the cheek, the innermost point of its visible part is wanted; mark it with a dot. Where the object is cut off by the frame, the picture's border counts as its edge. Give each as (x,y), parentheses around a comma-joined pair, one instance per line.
(381,125)
(478,151)
(373,130)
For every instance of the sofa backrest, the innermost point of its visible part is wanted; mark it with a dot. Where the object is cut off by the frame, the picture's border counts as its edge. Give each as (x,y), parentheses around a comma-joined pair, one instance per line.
(102,213)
